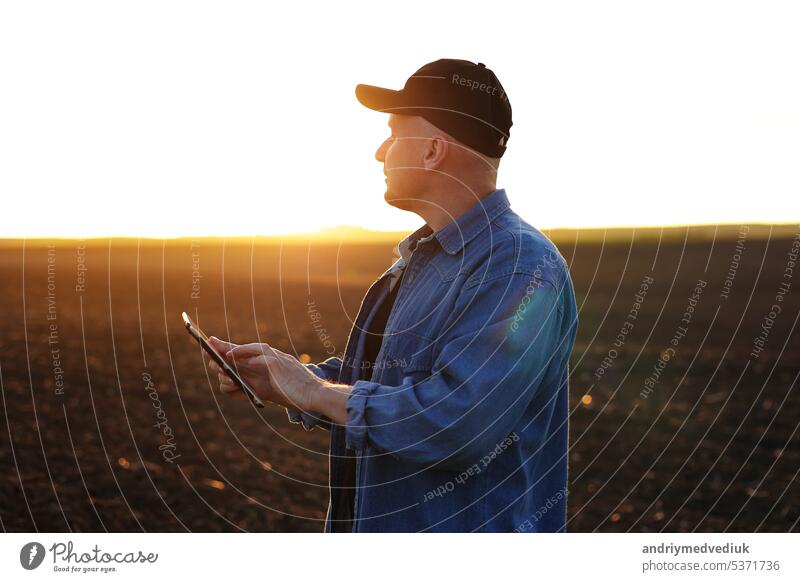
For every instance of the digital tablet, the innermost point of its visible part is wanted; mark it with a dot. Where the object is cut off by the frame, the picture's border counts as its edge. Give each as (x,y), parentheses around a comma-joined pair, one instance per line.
(202,339)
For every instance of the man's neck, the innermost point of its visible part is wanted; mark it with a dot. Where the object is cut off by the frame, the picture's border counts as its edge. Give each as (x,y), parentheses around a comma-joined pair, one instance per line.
(446,210)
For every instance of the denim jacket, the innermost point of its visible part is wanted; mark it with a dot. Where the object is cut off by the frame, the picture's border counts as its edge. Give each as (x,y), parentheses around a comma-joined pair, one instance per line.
(463,422)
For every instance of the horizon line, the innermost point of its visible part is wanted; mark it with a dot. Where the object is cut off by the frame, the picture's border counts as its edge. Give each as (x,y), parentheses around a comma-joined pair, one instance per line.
(353,232)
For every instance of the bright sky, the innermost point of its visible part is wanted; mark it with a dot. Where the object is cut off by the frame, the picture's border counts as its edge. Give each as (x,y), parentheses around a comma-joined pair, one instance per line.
(237,118)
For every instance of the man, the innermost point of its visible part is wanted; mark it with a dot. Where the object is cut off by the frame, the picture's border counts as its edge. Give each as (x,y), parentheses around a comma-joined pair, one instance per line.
(449,409)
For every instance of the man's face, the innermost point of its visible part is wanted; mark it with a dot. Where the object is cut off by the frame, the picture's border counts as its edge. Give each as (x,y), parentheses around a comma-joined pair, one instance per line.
(401,155)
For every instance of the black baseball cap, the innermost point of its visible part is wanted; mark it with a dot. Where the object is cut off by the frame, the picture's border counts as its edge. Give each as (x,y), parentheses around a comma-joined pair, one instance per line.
(462,98)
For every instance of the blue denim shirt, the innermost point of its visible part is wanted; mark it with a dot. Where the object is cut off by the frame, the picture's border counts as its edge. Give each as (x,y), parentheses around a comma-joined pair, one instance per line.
(463,423)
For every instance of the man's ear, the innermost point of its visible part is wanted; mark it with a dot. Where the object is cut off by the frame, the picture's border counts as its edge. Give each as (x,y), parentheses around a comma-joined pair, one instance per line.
(435,152)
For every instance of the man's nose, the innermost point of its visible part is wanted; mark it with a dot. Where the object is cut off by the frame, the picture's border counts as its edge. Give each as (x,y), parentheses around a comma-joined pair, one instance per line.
(381,152)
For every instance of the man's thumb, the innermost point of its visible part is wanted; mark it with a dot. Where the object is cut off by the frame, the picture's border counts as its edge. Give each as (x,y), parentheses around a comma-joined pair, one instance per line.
(221,346)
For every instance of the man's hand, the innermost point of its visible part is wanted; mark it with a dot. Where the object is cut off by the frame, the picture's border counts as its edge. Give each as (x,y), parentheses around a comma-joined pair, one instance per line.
(272,374)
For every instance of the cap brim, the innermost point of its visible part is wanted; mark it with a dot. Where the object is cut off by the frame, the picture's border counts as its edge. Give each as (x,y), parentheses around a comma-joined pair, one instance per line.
(380,99)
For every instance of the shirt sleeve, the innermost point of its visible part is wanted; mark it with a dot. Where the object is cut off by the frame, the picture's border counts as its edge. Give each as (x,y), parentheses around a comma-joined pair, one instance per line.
(327,370)
(488,365)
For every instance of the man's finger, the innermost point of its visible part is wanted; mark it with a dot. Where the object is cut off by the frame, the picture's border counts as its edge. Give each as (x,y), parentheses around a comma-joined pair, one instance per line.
(220,345)
(250,350)
(260,363)
(225,383)
(235,392)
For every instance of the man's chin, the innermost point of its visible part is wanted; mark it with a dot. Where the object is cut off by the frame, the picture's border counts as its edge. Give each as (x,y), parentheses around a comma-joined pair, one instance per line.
(397,200)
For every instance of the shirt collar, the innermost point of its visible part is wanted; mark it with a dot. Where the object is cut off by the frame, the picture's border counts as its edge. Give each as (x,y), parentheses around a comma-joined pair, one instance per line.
(406,246)
(466,227)
(462,230)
